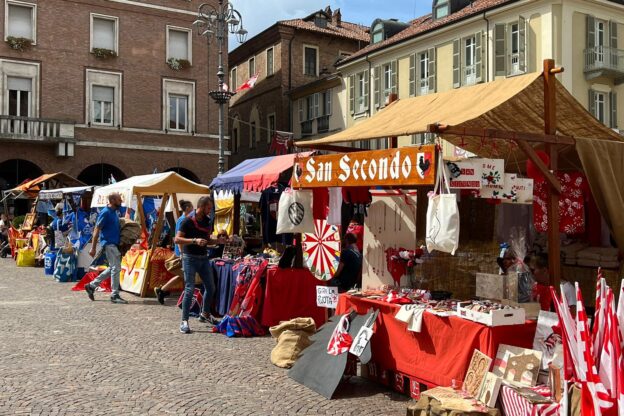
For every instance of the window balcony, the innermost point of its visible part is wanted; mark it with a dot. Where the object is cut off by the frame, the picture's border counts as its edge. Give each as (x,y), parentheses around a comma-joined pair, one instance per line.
(35,129)
(470,74)
(322,124)
(603,61)
(306,128)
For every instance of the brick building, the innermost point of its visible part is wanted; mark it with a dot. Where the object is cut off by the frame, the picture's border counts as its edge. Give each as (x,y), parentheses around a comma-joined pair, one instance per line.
(286,56)
(87,88)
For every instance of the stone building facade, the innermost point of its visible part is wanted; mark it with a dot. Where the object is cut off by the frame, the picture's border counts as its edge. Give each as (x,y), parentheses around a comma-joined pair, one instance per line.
(88,88)
(286,56)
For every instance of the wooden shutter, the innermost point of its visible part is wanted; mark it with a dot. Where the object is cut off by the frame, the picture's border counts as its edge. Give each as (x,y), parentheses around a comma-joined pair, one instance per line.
(522,44)
(328,102)
(317,105)
(352,94)
(431,53)
(500,49)
(412,75)
(479,56)
(376,85)
(394,70)
(613,103)
(456,64)
(613,43)
(366,89)
(592,103)
(591,31)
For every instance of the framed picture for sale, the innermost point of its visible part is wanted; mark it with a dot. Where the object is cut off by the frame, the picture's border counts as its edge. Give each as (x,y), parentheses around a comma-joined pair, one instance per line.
(29,221)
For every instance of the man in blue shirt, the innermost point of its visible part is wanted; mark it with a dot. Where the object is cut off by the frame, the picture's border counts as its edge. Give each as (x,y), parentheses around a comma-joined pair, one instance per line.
(163,292)
(107,231)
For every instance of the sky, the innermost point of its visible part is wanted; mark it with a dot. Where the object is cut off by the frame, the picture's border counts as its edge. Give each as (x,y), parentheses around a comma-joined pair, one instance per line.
(260,14)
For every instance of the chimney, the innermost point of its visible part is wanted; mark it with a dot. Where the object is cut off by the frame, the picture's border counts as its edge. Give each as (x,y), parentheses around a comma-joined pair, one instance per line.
(337,18)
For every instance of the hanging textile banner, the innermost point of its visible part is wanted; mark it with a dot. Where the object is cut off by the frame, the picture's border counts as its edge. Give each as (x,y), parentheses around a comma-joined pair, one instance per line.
(392,167)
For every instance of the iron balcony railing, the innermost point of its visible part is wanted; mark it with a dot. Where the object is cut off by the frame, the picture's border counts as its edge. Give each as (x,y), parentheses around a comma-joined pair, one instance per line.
(604,58)
(322,124)
(306,127)
(28,127)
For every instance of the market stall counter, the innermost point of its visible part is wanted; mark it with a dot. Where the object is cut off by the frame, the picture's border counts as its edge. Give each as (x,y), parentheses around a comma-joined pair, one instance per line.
(291,293)
(442,351)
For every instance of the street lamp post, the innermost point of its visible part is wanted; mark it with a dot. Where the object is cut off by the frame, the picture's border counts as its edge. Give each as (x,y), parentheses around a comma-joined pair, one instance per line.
(213,22)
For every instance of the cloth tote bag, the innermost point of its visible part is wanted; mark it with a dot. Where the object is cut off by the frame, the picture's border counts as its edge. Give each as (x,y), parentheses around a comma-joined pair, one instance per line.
(442,215)
(294,213)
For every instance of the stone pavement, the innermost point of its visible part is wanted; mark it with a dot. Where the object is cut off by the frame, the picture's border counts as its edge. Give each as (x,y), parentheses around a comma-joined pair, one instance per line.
(61,354)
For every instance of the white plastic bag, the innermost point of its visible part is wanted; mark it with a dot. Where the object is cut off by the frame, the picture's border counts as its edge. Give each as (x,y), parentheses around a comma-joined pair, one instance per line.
(442,215)
(295,212)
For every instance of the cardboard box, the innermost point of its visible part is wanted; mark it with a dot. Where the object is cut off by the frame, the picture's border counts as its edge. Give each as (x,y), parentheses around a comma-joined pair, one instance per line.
(531,309)
(497,287)
(498,317)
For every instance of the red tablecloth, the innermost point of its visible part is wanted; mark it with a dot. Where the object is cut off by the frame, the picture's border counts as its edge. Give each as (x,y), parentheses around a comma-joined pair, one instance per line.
(291,293)
(442,351)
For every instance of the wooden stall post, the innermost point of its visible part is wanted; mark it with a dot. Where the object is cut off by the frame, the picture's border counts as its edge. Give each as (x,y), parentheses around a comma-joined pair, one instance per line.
(236,219)
(159,222)
(176,207)
(550,127)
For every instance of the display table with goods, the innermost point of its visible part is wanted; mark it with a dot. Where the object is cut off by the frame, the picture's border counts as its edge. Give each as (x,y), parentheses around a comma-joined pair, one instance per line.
(441,351)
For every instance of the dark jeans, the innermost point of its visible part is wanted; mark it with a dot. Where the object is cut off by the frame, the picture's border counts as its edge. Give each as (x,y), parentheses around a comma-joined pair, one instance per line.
(202,266)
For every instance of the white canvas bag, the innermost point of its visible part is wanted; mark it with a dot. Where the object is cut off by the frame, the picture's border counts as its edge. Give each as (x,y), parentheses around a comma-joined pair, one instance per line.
(442,215)
(294,213)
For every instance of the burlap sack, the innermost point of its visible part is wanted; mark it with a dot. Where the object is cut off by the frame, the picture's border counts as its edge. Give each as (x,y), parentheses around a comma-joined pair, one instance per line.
(292,338)
(428,406)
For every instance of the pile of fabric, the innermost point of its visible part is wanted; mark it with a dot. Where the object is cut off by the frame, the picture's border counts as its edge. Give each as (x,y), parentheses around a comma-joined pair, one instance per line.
(605,257)
(242,318)
(569,253)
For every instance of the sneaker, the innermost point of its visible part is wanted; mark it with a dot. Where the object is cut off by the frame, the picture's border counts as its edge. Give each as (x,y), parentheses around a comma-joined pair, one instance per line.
(160,295)
(208,319)
(90,291)
(185,328)
(118,299)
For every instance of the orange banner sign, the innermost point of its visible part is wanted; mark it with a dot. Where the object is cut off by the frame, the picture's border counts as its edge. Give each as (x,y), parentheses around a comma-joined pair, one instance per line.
(392,167)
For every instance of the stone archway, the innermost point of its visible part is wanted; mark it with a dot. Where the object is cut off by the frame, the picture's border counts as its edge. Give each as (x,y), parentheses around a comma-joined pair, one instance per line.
(101,174)
(15,171)
(185,173)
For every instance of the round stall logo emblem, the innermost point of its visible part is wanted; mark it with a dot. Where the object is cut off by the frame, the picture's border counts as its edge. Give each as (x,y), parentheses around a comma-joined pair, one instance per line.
(296,213)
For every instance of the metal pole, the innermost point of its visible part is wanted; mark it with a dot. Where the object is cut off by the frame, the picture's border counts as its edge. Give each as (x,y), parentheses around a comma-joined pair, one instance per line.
(220,76)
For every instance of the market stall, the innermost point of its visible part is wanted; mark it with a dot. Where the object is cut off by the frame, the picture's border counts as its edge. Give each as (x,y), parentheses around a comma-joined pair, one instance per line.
(143,268)
(73,227)
(27,236)
(507,119)
(257,185)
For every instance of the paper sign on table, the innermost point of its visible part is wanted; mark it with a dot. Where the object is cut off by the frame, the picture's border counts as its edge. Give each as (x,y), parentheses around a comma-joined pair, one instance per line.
(327,296)
(465,174)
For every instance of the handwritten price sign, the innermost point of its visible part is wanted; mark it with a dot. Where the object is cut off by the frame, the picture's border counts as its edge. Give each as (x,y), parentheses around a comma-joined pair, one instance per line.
(326,297)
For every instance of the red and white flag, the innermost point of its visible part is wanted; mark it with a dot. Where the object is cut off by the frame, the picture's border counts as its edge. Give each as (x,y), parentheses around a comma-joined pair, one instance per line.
(249,84)
(620,372)
(595,400)
(598,332)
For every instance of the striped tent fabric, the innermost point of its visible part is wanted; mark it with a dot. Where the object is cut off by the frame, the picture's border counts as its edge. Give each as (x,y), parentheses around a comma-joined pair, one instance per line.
(516,405)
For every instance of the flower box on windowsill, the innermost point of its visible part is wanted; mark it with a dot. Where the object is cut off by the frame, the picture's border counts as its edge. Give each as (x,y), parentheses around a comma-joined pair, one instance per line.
(178,64)
(103,53)
(19,44)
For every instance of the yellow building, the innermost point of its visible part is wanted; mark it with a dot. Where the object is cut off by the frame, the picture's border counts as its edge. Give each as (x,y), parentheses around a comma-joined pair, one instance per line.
(464,42)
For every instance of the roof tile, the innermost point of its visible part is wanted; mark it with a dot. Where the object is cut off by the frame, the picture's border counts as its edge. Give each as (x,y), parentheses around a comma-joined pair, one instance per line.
(345,30)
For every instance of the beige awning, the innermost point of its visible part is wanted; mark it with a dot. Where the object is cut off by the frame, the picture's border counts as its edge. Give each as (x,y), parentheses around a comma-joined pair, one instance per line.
(513,104)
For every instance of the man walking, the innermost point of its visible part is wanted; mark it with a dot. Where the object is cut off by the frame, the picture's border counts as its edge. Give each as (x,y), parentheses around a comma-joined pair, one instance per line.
(107,232)
(194,237)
